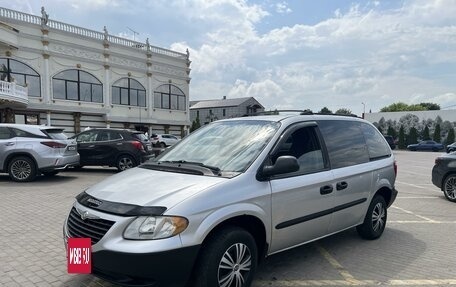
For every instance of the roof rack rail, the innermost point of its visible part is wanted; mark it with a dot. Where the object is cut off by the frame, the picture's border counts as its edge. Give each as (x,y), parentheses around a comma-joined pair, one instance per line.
(301,112)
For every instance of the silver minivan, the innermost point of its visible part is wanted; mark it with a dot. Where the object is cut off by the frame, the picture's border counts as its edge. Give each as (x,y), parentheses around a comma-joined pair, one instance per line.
(210,208)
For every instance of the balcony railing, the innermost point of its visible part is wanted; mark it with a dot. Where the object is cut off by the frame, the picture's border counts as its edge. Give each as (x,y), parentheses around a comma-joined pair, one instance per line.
(12,92)
(32,19)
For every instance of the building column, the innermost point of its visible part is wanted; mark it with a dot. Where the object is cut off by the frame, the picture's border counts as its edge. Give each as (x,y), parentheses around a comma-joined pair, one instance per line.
(46,81)
(48,118)
(150,95)
(107,88)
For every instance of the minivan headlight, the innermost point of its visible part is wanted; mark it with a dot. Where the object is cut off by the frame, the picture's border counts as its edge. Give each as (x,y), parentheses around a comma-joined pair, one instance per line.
(155,227)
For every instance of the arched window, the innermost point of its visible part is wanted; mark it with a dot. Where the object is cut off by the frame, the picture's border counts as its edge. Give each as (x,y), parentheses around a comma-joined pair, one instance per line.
(127,91)
(77,85)
(20,73)
(169,97)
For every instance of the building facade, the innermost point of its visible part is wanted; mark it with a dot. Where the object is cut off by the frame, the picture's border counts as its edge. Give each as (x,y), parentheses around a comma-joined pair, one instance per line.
(62,75)
(211,110)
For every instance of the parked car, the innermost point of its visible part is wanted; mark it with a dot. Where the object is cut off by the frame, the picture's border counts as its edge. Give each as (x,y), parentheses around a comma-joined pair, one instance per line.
(120,148)
(444,175)
(29,150)
(451,147)
(266,184)
(390,141)
(426,145)
(164,140)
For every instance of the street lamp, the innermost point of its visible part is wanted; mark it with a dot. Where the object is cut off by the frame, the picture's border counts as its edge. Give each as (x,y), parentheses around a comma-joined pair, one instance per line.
(364,108)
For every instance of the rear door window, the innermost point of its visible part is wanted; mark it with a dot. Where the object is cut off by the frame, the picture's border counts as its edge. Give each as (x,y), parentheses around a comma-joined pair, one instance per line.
(89,136)
(376,145)
(345,142)
(56,134)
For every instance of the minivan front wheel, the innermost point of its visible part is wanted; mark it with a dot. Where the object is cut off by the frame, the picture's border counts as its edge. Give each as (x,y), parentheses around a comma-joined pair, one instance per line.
(375,220)
(125,162)
(228,259)
(22,169)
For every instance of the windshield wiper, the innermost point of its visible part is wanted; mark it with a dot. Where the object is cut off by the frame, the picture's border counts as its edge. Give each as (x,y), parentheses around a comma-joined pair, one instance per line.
(215,170)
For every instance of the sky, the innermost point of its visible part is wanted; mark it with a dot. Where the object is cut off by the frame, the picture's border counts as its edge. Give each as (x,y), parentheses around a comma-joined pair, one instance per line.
(295,54)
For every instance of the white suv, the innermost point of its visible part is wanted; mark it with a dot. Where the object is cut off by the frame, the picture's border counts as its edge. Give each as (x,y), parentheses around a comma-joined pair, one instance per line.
(164,140)
(208,213)
(29,150)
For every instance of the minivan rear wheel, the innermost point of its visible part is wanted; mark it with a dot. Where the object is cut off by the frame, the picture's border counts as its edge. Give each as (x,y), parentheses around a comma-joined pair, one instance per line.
(125,162)
(375,220)
(22,169)
(228,259)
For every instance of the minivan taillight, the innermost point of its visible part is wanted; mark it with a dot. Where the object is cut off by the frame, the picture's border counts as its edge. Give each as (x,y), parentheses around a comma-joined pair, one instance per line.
(138,145)
(395,168)
(54,144)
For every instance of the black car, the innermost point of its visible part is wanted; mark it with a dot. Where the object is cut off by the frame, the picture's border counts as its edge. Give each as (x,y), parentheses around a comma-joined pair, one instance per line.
(390,141)
(120,148)
(444,175)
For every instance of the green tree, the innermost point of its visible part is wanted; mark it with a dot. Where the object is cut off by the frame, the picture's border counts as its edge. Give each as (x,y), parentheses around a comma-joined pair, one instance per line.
(380,129)
(426,135)
(403,107)
(437,136)
(195,124)
(450,137)
(325,110)
(391,132)
(401,142)
(343,111)
(412,136)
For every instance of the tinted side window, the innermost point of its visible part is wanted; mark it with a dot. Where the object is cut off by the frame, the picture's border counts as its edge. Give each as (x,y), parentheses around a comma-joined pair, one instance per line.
(5,133)
(376,145)
(23,134)
(345,142)
(305,146)
(89,136)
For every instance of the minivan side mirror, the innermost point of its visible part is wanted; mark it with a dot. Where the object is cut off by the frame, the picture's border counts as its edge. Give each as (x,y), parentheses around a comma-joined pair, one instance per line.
(284,164)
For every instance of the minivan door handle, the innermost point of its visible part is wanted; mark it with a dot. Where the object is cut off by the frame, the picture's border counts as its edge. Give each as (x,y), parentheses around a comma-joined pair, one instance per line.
(326,189)
(341,185)
(9,144)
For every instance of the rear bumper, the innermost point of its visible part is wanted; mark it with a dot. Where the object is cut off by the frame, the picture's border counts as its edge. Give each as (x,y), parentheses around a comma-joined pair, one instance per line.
(59,163)
(168,268)
(437,177)
(393,196)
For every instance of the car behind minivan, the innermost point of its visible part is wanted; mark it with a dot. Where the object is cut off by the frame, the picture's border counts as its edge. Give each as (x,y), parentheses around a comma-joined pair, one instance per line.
(209,213)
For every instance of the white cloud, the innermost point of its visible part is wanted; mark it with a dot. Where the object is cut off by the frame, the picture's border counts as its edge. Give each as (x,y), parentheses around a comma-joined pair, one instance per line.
(282,8)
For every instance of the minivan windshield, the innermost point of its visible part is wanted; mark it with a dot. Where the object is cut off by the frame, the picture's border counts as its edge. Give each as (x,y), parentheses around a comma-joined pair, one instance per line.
(229,146)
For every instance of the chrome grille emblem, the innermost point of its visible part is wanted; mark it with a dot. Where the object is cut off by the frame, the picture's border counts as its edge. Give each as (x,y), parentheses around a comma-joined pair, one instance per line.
(86,215)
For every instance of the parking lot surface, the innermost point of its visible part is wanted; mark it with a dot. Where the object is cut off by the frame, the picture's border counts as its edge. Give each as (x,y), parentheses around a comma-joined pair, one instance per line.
(417,248)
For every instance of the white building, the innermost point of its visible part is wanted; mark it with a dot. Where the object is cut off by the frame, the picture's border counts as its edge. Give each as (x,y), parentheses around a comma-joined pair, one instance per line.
(62,75)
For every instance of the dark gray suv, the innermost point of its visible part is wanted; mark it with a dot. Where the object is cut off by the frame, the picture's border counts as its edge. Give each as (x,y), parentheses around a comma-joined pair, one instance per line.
(212,206)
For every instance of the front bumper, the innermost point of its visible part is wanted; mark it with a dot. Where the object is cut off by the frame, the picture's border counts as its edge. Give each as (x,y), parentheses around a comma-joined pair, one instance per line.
(437,177)
(167,268)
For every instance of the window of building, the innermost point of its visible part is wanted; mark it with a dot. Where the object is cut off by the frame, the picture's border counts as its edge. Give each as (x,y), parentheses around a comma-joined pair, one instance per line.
(128,91)
(20,73)
(169,97)
(224,112)
(77,85)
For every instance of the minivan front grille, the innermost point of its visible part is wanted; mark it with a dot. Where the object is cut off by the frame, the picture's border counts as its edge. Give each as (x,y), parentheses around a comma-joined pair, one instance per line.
(94,229)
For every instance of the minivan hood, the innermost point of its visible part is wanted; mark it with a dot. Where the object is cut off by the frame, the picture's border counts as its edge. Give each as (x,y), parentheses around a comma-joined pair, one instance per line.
(145,187)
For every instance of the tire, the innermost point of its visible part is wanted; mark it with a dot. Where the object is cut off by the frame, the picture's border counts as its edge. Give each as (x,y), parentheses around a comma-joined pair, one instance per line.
(50,173)
(125,162)
(162,145)
(449,187)
(219,263)
(375,220)
(22,169)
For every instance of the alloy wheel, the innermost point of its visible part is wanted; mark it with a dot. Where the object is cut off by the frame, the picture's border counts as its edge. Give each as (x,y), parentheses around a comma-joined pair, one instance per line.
(235,265)
(378,217)
(21,169)
(125,163)
(450,188)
